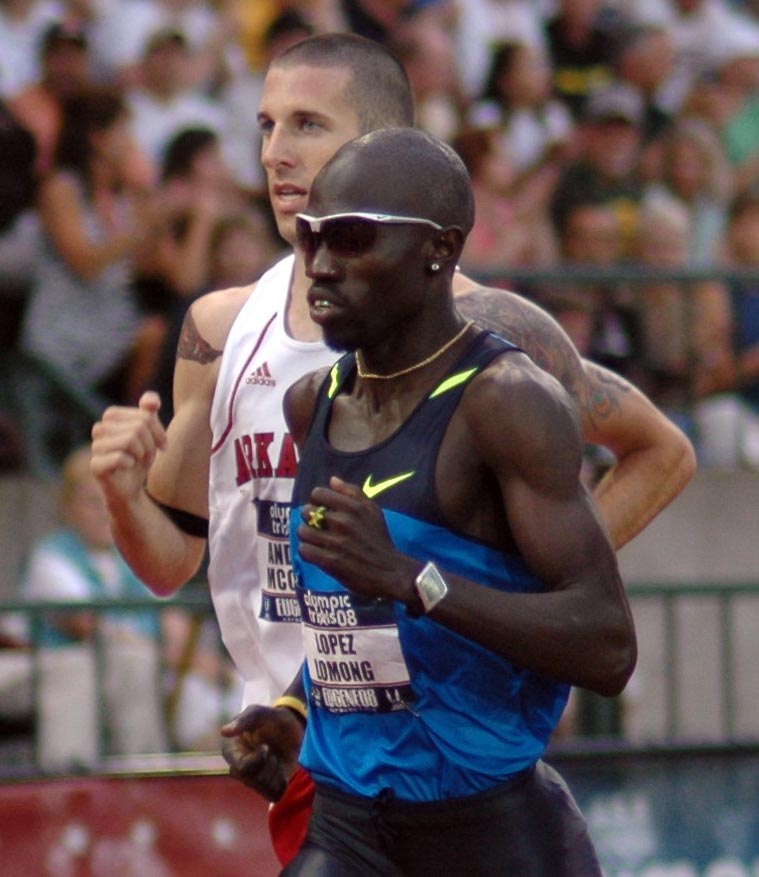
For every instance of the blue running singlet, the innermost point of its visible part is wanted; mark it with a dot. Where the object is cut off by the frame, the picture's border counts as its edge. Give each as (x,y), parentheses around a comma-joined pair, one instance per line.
(395,701)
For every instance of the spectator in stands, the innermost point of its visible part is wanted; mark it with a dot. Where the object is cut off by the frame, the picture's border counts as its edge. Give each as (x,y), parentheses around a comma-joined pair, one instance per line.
(702,31)
(427,52)
(536,129)
(381,20)
(66,71)
(645,59)
(254,21)
(729,424)
(166,102)
(522,21)
(173,688)
(472,31)
(510,229)
(195,191)
(82,317)
(195,195)
(737,95)
(79,563)
(591,236)
(606,168)
(243,246)
(478,25)
(22,26)
(685,327)
(694,168)
(599,316)
(581,46)
(123,30)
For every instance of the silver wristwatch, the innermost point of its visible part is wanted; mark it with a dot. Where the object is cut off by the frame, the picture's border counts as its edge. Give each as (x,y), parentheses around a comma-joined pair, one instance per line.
(430,586)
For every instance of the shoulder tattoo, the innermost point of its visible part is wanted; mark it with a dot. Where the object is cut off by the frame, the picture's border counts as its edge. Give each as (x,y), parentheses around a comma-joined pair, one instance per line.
(192,345)
(538,338)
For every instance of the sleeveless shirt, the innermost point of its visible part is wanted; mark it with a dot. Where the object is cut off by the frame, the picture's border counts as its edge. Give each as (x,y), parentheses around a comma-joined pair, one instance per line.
(253,462)
(401,702)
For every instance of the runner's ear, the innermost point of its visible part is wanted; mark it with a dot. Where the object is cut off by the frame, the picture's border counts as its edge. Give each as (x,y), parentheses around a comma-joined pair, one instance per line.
(445,246)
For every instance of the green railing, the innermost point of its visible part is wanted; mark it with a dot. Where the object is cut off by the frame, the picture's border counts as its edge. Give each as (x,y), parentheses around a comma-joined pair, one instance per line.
(725,596)
(670,622)
(627,272)
(662,613)
(26,628)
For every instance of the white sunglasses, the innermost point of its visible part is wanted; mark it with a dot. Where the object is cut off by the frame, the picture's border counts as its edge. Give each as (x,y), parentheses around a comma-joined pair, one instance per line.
(348,234)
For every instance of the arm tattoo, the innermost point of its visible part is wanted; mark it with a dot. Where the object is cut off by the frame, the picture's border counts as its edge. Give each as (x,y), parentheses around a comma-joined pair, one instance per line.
(597,392)
(193,346)
(529,328)
(603,390)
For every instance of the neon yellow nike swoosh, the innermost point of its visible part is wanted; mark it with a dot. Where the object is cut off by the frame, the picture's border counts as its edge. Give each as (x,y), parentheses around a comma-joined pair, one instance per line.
(371,490)
(334,380)
(453,381)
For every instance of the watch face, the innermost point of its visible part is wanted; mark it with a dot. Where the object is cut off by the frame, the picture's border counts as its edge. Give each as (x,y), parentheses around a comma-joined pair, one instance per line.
(430,586)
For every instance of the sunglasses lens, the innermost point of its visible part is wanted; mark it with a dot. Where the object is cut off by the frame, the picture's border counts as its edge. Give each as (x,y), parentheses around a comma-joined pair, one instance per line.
(349,237)
(344,236)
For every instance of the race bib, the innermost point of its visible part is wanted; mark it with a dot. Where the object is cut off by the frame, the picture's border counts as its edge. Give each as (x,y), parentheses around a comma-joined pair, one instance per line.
(279,602)
(354,654)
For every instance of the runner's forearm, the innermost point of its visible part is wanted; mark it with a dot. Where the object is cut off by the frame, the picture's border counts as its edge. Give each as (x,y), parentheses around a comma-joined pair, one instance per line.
(158,552)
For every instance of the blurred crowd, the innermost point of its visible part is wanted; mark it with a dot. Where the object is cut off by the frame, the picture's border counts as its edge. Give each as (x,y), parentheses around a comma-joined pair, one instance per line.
(601,136)
(613,147)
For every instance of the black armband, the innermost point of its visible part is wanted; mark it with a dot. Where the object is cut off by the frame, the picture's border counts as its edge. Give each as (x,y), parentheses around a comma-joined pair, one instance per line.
(187,522)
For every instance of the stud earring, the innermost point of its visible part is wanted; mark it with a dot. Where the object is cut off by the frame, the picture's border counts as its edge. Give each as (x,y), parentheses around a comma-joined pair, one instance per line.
(435,266)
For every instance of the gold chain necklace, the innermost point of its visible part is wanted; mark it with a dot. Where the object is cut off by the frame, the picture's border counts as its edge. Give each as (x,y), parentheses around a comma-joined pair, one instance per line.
(411,368)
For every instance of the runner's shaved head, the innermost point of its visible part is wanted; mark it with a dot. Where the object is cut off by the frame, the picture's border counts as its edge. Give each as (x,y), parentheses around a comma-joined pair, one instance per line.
(398,170)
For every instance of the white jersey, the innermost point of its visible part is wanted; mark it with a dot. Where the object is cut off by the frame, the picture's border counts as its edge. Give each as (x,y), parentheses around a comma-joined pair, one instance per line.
(253,463)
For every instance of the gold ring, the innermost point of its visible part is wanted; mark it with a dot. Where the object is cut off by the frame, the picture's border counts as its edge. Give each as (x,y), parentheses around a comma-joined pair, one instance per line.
(316,517)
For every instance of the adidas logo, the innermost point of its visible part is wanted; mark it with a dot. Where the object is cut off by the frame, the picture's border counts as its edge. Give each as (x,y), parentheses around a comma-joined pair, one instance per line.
(261,376)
